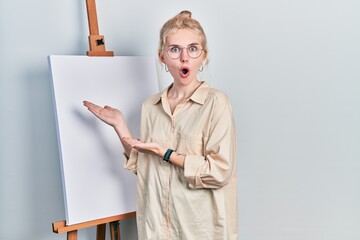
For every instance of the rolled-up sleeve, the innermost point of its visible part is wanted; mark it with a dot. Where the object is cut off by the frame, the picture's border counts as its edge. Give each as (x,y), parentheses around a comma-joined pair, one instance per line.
(131,162)
(218,164)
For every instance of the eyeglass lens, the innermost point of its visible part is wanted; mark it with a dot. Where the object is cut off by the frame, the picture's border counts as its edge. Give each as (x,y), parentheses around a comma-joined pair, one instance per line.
(193,51)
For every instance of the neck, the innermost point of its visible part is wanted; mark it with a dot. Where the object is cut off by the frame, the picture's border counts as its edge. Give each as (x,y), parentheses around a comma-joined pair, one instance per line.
(183,91)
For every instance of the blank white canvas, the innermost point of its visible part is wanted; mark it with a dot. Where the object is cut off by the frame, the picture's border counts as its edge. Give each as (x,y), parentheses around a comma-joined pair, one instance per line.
(95,184)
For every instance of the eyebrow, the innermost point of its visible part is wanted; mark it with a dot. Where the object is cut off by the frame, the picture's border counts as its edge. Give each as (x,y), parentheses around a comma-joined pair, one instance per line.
(176,45)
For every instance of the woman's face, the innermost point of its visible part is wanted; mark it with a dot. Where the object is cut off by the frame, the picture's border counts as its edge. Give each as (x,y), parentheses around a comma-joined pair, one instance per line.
(183,55)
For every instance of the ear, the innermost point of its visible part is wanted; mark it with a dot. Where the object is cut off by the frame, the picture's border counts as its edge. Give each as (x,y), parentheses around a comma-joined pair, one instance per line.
(205,59)
(161,57)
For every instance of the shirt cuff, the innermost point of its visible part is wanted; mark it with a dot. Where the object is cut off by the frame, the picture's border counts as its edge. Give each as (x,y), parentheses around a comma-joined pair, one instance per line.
(192,166)
(131,161)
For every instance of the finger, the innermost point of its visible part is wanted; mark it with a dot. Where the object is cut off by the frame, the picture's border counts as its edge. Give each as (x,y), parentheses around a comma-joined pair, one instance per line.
(108,107)
(90,105)
(130,141)
(93,108)
(87,103)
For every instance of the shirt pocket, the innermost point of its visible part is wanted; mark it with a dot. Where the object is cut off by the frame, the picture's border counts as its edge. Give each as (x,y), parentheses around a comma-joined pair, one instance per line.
(190,144)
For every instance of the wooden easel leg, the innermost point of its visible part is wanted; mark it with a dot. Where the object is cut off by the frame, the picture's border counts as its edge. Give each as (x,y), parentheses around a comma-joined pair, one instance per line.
(72,235)
(61,227)
(100,231)
(115,230)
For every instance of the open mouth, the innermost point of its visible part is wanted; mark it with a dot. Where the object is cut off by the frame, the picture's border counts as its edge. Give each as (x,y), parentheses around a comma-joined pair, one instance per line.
(184,72)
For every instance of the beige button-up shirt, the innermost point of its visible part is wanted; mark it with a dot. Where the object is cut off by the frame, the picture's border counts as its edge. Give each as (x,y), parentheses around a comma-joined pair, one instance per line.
(199,202)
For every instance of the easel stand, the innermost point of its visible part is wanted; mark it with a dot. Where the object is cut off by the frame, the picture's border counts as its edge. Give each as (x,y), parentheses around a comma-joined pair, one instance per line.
(72,230)
(96,41)
(97,48)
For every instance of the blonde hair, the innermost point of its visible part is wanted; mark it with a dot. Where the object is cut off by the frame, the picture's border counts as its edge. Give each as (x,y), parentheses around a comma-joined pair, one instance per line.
(181,21)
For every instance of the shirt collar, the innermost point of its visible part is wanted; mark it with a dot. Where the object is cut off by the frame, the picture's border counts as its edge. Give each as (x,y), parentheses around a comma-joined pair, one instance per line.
(198,96)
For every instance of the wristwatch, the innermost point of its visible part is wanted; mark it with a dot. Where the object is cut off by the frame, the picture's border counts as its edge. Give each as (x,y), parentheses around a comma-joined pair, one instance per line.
(166,157)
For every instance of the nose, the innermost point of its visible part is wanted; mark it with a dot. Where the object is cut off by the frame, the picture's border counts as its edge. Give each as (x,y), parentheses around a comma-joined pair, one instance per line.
(184,56)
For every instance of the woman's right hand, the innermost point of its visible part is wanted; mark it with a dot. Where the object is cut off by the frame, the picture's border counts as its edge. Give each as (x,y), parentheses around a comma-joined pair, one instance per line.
(107,114)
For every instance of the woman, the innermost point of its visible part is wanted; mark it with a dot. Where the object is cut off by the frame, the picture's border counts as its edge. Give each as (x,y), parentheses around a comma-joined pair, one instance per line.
(185,160)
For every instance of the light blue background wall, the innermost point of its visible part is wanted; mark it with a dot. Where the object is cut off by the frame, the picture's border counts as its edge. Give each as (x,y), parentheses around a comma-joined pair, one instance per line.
(291,69)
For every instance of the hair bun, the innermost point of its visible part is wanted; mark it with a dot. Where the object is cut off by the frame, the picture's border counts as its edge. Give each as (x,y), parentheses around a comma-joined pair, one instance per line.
(185,13)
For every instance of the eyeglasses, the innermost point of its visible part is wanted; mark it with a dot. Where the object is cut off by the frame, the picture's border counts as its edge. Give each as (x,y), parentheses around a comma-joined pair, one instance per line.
(175,51)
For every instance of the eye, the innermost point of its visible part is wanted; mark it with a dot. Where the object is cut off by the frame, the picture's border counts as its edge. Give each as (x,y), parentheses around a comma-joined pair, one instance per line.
(193,48)
(175,49)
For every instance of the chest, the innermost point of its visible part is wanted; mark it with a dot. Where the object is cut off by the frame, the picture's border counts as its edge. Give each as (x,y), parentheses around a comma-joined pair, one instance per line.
(187,127)
(174,103)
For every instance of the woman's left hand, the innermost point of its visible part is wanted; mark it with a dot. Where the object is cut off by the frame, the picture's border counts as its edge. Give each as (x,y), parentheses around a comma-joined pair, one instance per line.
(150,148)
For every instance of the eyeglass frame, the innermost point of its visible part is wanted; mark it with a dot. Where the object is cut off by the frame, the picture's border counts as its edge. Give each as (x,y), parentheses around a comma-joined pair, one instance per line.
(181,51)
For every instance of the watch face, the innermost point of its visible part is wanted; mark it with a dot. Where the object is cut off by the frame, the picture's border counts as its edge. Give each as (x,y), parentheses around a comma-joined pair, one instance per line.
(166,157)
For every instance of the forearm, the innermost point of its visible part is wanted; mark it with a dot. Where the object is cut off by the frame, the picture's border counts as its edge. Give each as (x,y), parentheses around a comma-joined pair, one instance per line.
(175,158)
(123,131)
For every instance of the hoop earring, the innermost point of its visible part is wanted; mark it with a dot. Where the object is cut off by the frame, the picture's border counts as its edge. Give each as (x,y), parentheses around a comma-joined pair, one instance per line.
(202,68)
(166,69)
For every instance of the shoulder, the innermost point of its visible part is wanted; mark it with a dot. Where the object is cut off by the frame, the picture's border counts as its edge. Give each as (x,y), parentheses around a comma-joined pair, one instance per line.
(217,96)
(149,104)
(206,94)
(152,99)
(218,100)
